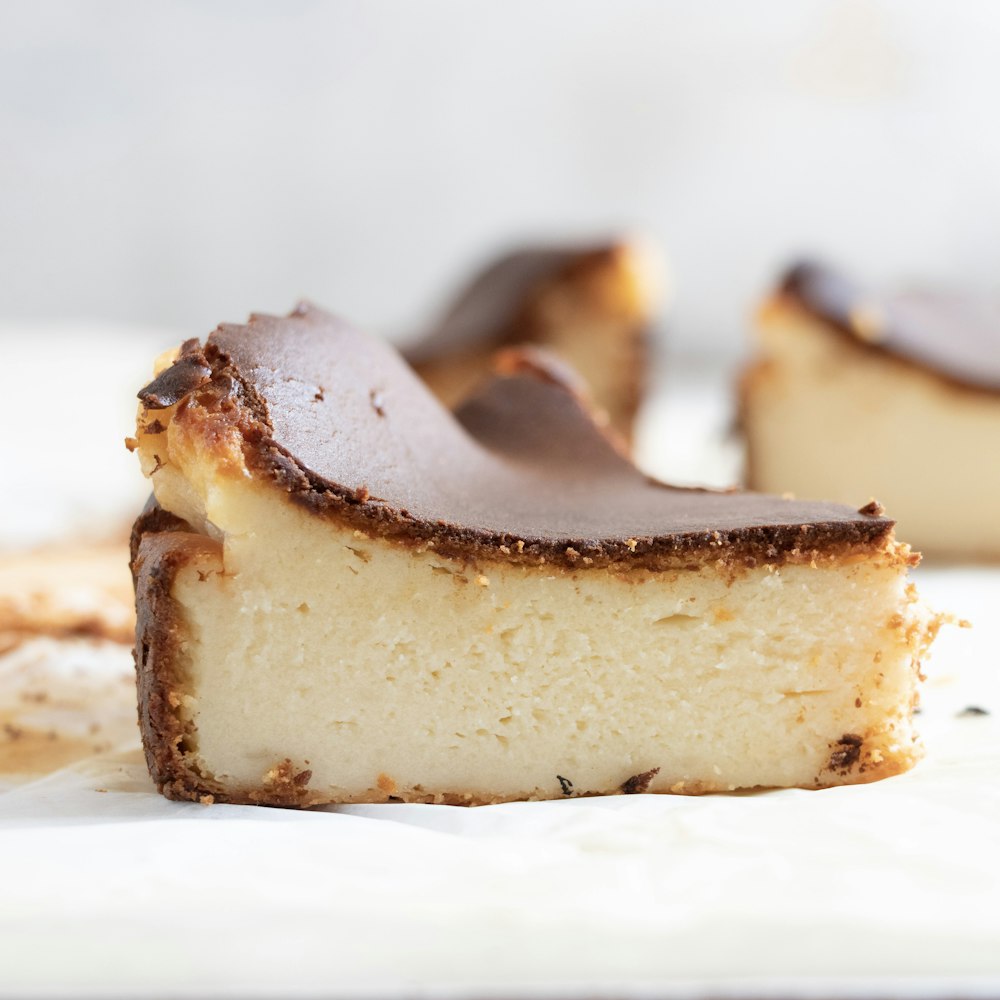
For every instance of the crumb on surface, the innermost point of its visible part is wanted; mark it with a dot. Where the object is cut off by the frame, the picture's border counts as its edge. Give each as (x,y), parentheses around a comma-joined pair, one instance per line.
(639,783)
(873,508)
(846,752)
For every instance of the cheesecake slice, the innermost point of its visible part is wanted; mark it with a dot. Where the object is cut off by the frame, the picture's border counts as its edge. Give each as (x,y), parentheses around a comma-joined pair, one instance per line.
(898,395)
(347,593)
(593,306)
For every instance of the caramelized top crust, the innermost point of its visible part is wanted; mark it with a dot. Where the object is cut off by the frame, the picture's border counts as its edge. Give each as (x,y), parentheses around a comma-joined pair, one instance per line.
(520,472)
(490,311)
(954,336)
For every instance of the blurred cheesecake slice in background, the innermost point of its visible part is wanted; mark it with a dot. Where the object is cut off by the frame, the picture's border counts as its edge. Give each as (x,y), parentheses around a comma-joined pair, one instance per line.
(856,394)
(593,306)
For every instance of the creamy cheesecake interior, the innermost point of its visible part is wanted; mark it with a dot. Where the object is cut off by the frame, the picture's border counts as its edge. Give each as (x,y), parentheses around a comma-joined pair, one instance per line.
(382,672)
(295,654)
(828,417)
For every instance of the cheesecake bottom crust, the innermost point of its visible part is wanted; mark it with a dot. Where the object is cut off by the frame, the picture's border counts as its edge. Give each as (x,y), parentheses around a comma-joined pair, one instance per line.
(297,662)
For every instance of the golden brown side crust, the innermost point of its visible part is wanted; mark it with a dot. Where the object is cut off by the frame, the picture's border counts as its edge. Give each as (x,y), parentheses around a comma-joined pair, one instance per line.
(161,546)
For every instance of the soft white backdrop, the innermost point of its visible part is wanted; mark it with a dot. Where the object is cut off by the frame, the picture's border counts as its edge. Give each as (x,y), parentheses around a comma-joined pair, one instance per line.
(179,163)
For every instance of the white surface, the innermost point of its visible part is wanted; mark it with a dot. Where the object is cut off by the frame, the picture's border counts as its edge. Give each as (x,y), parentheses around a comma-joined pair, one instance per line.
(890,889)
(165,160)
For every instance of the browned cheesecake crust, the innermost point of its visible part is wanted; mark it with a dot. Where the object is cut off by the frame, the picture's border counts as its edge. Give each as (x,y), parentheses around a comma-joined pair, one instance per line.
(520,472)
(955,337)
(161,543)
(584,302)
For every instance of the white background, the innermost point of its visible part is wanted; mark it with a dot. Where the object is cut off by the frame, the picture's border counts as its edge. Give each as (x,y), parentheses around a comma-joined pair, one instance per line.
(178,163)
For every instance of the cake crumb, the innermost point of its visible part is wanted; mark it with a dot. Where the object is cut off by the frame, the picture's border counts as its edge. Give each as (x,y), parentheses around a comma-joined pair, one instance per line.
(872,509)
(846,753)
(972,710)
(565,784)
(206,800)
(639,783)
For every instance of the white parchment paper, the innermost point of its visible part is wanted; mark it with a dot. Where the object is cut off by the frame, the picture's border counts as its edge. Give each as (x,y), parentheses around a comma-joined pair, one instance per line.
(890,889)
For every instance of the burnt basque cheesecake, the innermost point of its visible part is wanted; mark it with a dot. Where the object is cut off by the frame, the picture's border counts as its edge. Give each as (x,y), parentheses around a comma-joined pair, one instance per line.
(897,394)
(348,593)
(592,305)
